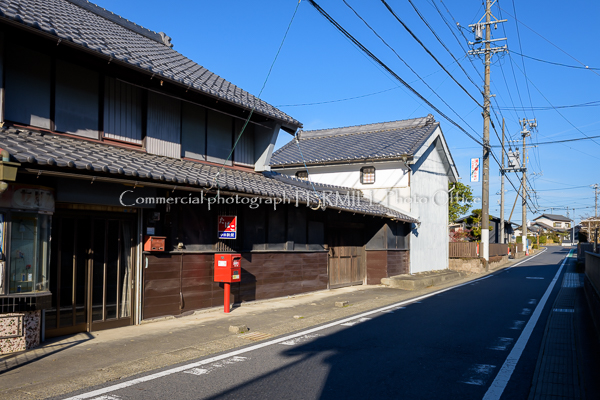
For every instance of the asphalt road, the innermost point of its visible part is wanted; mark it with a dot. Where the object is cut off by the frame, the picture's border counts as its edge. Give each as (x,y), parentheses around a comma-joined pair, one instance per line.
(450,345)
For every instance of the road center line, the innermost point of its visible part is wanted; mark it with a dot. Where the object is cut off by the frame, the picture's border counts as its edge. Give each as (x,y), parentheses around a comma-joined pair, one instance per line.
(499,384)
(175,370)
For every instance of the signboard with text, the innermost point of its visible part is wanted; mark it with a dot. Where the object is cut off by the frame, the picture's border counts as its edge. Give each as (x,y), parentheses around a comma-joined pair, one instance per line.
(227,227)
(474,169)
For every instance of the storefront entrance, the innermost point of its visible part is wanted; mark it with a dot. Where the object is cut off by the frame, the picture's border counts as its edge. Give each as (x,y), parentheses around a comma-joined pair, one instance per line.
(91,272)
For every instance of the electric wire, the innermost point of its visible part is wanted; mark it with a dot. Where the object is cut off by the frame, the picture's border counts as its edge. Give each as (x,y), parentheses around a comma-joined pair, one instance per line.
(391,72)
(442,43)
(388,69)
(555,63)
(428,51)
(216,178)
(559,113)
(405,63)
(547,40)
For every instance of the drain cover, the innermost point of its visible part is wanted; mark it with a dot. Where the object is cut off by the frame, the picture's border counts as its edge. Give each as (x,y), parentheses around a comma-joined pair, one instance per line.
(255,336)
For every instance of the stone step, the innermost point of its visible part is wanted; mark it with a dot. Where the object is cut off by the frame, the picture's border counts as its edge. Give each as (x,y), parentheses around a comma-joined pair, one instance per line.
(421,280)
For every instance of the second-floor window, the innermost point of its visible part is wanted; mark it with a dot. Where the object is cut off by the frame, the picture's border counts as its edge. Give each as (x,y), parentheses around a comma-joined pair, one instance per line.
(367,175)
(557,224)
(302,175)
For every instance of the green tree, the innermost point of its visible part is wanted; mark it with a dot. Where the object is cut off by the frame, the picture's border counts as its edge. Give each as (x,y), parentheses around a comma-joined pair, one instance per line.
(460,200)
(474,222)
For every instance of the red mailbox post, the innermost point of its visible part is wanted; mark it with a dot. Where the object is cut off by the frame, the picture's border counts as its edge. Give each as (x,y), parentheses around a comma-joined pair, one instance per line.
(227,270)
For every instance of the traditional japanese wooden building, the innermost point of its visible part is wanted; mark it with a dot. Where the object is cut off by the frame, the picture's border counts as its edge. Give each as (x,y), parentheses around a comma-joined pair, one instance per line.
(119,140)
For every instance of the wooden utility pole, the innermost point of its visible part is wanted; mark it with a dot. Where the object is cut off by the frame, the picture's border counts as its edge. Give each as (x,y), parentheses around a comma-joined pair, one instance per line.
(502,191)
(524,132)
(487,51)
(532,123)
(595,187)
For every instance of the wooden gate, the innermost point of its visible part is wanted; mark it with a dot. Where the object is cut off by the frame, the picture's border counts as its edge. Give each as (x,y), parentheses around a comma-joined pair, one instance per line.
(346,261)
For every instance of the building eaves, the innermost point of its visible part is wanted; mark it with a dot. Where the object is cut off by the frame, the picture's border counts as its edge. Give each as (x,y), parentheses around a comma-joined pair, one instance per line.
(89,26)
(58,153)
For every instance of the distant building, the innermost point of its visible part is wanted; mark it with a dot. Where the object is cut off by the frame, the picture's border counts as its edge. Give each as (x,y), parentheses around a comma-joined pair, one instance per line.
(558,222)
(494,237)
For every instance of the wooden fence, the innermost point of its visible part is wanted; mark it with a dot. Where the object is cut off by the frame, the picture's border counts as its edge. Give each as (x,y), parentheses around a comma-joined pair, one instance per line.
(464,249)
(498,249)
(473,249)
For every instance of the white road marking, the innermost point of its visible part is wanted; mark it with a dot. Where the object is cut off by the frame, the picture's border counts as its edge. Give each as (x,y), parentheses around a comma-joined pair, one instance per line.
(517,325)
(219,364)
(257,346)
(497,387)
(534,277)
(355,322)
(502,344)
(478,374)
(298,340)
(108,397)
(567,310)
(526,311)
(532,302)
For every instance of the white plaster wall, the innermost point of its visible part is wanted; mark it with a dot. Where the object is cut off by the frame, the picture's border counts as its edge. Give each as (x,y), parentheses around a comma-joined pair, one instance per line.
(429,241)
(391,186)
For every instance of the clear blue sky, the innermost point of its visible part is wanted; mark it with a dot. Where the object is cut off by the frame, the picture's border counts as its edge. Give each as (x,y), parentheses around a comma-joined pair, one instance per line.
(239,39)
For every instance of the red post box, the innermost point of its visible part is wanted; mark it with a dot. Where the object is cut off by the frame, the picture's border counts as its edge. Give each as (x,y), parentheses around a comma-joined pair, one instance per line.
(227,270)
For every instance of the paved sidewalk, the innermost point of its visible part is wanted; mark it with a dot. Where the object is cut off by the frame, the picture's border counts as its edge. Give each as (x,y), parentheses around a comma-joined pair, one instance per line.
(564,370)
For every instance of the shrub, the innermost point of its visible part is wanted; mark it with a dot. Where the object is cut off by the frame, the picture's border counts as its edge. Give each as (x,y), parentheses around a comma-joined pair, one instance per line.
(535,247)
(519,239)
(543,239)
(495,259)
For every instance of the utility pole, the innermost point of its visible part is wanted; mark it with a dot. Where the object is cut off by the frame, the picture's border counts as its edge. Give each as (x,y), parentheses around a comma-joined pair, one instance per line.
(502,190)
(595,187)
(525,132)
(487,51)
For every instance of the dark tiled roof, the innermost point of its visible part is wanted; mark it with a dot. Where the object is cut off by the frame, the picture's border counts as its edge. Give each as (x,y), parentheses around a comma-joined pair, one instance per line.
(48,151)
(554,217)
(381,141)
(95,28)
(496,219)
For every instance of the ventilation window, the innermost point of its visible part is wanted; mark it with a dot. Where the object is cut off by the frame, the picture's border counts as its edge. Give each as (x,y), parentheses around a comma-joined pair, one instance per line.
(302,175)
(367,175)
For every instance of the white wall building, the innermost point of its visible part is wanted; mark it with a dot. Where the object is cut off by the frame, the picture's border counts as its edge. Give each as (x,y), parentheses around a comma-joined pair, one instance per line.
(405,165)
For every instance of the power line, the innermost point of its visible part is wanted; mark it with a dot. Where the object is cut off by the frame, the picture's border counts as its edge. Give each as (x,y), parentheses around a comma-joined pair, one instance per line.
(441,42)
(397,77)
(390,71)
(428,51)
(594,103)
(559,113)
(405,63)
(522,59)
(216,178)
(555,63)
(547,40)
